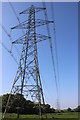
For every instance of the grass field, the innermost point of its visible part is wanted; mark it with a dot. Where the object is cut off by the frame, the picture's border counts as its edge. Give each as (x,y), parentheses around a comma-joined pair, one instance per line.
(53,116)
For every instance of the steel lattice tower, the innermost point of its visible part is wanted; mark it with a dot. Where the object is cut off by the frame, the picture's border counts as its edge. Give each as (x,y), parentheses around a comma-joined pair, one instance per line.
(27,80)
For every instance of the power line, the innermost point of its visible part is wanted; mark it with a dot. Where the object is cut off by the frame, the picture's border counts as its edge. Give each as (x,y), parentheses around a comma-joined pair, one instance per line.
(9,52)
(9,35)
(45,13)
(54,30)
(5,31)
(14,11)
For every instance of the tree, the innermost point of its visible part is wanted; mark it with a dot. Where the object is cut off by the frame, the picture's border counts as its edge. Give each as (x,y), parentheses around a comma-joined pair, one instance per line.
(69,110)
(4,101)
(62,111)
(0,103)
(19,103)
(77,109)
(52,110)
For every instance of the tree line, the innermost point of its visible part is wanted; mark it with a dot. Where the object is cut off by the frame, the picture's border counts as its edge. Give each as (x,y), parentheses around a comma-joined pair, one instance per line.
(19,104)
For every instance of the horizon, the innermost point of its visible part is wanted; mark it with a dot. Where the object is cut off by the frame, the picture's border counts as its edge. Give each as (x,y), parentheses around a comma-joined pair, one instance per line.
(50,105)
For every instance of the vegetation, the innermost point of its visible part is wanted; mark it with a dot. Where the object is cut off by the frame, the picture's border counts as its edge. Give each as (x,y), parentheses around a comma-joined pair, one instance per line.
(31,109)
(19,104)
(59,116)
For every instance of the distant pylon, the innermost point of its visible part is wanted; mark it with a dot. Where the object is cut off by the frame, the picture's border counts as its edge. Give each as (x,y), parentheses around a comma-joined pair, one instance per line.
(58,104)
(27,80)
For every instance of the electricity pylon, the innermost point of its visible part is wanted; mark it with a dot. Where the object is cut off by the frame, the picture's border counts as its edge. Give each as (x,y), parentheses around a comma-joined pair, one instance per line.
(27,80)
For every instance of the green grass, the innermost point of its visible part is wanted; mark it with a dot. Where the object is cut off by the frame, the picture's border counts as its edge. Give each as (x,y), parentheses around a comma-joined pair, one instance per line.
(53,116)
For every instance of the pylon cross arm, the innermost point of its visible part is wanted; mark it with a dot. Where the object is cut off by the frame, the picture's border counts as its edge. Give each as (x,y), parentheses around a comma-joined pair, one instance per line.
(38,22)
(37,9)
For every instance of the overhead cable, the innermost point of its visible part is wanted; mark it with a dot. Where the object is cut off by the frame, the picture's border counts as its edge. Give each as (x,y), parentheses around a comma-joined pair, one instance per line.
(9,52)
(54,30)
(14,11)
(46,18)
(9,35)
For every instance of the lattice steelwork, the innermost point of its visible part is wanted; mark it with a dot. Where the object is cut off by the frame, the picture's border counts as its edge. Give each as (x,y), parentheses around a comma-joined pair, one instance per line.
(27,80)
